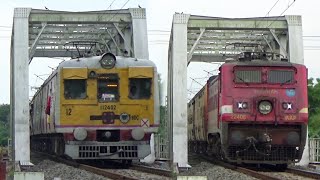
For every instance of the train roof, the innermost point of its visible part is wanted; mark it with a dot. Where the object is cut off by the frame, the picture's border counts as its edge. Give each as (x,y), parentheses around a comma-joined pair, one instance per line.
(93,62)
(259,62)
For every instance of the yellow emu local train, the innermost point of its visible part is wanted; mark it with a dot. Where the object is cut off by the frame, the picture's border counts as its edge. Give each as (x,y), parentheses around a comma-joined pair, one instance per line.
(99,107)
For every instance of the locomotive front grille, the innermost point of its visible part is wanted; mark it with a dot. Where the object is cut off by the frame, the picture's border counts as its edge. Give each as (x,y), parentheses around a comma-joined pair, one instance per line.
(88,151)
(277,153)
(100,151)
(129,151)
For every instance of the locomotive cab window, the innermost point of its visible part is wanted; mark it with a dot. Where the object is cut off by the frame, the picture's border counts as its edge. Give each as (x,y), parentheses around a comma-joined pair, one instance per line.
(75,88)
(281,76)
(108,90)
(247,76)
(140,88)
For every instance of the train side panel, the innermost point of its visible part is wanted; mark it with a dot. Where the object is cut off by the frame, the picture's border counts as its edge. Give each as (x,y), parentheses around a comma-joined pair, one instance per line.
(191,121)
(213,105)
(200,115)
(43,108)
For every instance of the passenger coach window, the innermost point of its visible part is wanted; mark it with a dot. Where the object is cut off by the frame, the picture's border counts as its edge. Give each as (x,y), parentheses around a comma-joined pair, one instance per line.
(108,89)
(247,76)
(75,88)
(281,76)
(139,88)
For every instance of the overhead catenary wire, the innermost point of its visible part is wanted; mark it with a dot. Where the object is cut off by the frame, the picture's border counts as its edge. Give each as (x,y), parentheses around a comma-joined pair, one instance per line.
(312,36)
(111,4)
(118,11)
(39,77)
(159,30)
(281,13)
(1,26)
(266,15)
(272,8)
(104,27)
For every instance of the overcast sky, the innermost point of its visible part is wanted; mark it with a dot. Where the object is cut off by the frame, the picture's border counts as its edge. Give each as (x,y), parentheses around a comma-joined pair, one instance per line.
(159,17)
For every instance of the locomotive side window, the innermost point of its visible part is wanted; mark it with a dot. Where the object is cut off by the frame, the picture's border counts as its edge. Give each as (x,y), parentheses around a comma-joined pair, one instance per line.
(140,88)
(108,90)
(75,88)
(247,76)
(281,76)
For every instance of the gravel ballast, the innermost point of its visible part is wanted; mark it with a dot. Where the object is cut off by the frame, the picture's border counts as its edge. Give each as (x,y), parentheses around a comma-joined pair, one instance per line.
(215,172)
(53,170)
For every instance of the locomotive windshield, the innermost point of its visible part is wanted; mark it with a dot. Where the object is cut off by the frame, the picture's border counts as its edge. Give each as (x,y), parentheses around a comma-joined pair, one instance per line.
(272,76)
(281,76)
(139,88)
(108,88)
(75,88)
(248,76)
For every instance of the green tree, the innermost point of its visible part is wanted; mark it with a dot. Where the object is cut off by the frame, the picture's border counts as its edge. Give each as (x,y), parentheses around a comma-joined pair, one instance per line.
(4,124)
(4,113)
(314,107)
(4,134)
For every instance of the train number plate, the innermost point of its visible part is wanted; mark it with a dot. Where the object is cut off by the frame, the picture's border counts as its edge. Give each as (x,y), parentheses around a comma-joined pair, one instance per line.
(290,117)
(108,107)
(238,117)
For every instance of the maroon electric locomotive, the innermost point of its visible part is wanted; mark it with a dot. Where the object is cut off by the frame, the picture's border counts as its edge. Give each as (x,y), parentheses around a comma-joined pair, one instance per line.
(254,111)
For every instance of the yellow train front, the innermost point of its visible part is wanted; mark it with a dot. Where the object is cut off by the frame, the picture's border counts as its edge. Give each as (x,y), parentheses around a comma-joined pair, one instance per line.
(100,107)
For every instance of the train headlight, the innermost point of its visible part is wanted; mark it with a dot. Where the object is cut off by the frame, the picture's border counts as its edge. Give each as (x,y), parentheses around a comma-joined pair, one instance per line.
(265,107)
(137,133)
(287,106)
(108,61)
(107,134)
(242,105)
(80,134)
(124,118)
(92,74)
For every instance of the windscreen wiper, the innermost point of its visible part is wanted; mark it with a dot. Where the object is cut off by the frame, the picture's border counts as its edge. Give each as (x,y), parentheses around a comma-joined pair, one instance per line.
(288,80)
(242,80)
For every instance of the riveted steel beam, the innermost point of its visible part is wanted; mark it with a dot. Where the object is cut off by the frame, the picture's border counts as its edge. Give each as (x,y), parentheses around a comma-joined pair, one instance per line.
(267,41)
(237,23)
(35,42)
(203,57)
(93,17)
(202,30)
(123,37)
(278,41)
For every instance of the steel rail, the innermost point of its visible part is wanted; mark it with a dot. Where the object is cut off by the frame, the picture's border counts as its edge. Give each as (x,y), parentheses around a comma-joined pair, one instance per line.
(243,170)
(151,170)
(304,173)
(105,173)
(255,174)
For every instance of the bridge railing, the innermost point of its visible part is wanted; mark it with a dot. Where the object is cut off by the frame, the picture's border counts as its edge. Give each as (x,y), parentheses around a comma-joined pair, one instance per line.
(161,147)
(314,150)
(161,139)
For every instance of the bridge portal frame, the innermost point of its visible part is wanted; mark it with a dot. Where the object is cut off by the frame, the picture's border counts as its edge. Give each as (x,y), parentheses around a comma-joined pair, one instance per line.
(44,33)
(208,39)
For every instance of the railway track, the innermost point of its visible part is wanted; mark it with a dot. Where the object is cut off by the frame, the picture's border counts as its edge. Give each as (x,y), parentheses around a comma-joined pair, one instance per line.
(134,172)
(151,170)
(103,172)
(106,173)
(304,173)
(266,173)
